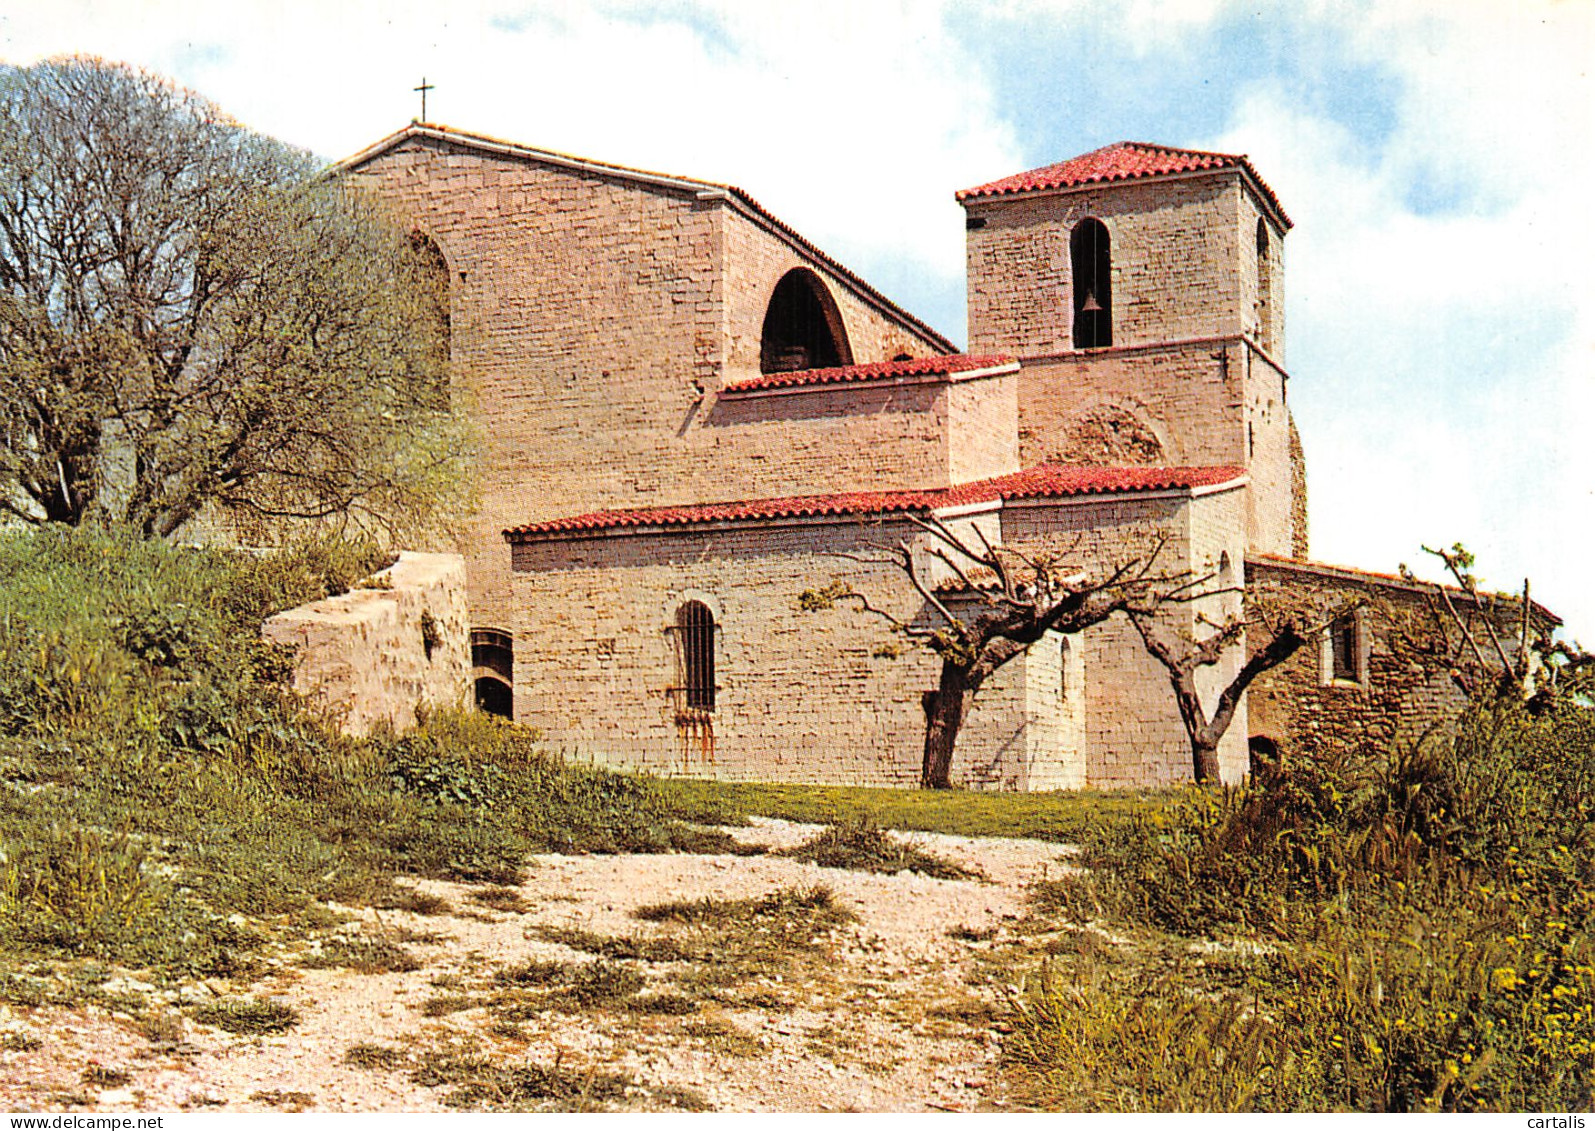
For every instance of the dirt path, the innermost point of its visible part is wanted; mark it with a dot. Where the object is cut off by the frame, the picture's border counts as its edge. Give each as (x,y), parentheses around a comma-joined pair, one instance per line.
(555,994)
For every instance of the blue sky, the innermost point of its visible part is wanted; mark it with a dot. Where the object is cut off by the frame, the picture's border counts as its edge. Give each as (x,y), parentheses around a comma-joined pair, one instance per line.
(1436,158)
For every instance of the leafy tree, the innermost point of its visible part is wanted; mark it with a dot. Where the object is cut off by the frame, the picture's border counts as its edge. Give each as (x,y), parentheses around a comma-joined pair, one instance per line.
(191,316)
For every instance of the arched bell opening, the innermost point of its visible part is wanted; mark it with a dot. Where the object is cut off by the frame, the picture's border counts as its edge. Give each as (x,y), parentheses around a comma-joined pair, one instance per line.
(1091,266)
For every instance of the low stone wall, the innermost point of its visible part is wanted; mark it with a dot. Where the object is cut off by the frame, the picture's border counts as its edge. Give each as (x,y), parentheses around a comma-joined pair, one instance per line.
(376,654)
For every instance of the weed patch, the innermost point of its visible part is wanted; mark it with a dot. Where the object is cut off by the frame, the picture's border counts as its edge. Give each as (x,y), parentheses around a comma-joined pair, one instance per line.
(501,899)
(362,955)
(533,972)
(863,846)
(600,983)
(374,1056)
(721,1036)
(248,1015)
(530,1085)
(623,947)
(442,1005)
(287,1101)
(663,1004)
(98,1076)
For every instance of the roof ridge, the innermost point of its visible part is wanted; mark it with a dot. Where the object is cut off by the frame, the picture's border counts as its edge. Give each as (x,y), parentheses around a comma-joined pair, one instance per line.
(1182,149)
(1122,162)
(738,196)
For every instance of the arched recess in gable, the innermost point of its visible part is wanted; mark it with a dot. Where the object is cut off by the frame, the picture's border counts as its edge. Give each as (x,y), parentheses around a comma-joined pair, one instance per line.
(436,293)
(802,326)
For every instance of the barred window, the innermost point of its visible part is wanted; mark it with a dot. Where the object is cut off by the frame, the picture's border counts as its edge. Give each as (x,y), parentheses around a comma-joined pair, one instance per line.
(695,644)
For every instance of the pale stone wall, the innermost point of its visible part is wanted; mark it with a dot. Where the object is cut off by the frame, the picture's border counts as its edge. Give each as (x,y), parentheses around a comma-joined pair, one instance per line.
(1262,278)
(801,695)
(1174,253)
(982,428)
(806,696)
(1218,554)
(1194,374)
(1207,403)
(1271,514)
(910,434)
(1189,398)
(1133,733)
(589,315)
(364,657)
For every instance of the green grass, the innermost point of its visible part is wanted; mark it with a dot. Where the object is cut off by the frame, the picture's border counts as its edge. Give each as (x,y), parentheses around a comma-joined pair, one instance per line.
(1402,931)
(167,803)
(863,846)
(1059,816)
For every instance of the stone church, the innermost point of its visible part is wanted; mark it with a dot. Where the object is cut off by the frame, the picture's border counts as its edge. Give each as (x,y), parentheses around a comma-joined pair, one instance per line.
(691,415)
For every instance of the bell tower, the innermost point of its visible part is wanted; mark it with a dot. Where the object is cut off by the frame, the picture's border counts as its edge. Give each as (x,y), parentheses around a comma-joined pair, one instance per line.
(1142,290)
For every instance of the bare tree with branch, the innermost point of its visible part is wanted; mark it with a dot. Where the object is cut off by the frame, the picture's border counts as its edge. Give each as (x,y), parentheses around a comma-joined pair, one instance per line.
(1183,658)
(1017,600)
(1538,669)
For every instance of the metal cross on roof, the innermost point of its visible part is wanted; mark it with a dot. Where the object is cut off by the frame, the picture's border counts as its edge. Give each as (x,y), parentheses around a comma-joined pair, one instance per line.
(423,88)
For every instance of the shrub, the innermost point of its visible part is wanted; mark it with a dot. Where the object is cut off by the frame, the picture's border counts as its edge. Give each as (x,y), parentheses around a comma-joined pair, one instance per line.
(1428,941)
(248,1015)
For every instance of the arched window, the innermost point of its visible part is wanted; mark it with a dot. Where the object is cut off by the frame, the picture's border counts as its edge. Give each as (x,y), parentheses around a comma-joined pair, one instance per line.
(493,659)
(1091,266)
(695,649)
(802,327)
(1265,288)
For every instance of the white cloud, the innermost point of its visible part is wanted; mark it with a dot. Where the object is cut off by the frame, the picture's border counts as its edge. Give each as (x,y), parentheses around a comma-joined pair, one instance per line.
(856,123)
(1447,391)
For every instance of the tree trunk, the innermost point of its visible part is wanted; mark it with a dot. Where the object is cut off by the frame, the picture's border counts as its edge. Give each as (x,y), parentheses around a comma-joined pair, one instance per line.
(1204,761)
(944,716)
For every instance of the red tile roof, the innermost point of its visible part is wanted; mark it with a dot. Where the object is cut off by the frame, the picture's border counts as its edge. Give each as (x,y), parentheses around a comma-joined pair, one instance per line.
(1124,161)
(876,371)
(1047,481)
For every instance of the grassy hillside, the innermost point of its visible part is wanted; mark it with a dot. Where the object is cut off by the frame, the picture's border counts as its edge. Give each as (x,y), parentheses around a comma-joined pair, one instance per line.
(162,796)
(1399,930)
(1395,932)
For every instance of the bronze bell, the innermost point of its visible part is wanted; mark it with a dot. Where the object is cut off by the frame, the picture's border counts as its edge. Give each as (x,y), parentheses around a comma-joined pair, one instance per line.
(1090,305)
